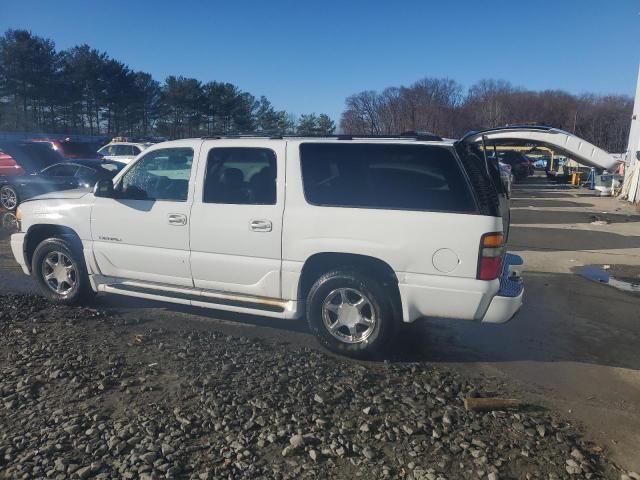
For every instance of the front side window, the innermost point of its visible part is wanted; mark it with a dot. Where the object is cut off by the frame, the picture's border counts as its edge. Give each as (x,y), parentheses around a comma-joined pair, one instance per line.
(159,175)
(408,177)
(245,176)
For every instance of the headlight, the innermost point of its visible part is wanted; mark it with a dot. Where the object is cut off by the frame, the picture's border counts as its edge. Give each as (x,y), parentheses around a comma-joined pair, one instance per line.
(19,219)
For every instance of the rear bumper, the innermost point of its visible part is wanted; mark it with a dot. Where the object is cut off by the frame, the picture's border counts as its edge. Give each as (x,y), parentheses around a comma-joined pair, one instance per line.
(494,301)
(509,299)
(17,248)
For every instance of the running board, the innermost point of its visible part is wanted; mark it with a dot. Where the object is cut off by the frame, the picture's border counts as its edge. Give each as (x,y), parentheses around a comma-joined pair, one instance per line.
(204,298)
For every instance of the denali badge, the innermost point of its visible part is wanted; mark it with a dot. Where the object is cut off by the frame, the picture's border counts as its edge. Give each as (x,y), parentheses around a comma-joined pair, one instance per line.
(109,239)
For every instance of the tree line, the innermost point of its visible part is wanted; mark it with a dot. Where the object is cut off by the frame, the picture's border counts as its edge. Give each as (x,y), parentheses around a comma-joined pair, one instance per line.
(84,91)
(442,106)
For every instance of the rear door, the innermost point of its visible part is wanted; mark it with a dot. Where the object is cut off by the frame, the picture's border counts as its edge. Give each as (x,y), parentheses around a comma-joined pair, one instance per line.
(236,218)
(562,142)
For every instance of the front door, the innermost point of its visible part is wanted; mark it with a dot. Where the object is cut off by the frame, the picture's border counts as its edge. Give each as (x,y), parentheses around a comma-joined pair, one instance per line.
(236,218)
(143,233)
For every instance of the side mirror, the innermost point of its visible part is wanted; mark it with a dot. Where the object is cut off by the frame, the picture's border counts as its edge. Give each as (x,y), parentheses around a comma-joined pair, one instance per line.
(104,189)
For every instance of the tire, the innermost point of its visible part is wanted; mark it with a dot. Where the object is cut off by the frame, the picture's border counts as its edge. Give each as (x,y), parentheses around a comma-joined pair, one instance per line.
(363,330)
(59,259)
(9,222)
(9,198)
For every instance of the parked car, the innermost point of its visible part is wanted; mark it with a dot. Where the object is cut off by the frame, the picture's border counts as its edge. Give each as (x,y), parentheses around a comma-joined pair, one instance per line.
(8,165)
(122,151)
(506,176)
(364,234)
(27,156)
(521,166)
(60,176)
(70,149)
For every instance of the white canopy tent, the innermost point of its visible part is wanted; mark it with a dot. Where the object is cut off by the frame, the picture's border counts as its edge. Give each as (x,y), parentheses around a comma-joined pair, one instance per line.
(631,185)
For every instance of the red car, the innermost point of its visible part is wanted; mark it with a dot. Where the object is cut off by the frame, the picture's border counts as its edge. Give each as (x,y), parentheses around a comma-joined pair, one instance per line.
(70,149)
(8,166)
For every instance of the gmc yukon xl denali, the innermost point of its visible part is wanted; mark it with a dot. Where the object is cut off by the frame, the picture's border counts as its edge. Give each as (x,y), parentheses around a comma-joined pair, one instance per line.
(356,234)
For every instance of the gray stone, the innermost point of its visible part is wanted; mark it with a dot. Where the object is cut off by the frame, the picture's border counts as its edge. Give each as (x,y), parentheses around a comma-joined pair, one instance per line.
(84,472)
(368,453)
(297,441)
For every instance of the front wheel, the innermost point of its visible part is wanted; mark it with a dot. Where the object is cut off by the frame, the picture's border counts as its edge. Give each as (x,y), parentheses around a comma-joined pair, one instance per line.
(351,312)
(9,198)
(60,272)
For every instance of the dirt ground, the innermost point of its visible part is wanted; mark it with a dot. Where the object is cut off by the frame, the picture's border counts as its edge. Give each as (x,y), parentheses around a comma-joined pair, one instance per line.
(573,348)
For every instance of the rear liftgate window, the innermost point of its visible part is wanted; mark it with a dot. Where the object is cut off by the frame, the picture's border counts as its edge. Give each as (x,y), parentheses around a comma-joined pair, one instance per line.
(407,177)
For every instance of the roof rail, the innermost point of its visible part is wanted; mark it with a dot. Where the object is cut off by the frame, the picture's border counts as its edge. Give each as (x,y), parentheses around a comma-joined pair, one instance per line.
(420,136)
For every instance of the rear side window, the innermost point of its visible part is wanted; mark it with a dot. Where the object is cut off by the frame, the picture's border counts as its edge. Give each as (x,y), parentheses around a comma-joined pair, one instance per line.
(241,176)
(407,177)
(62,170)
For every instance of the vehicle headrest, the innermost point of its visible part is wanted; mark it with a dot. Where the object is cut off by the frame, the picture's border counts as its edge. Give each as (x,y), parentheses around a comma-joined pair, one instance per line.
(232,176)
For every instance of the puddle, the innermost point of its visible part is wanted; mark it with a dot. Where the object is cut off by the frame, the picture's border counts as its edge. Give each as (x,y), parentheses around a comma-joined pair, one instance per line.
(622,277)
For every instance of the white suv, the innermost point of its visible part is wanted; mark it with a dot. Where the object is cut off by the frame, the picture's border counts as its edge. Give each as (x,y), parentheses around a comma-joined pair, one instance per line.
(356,234)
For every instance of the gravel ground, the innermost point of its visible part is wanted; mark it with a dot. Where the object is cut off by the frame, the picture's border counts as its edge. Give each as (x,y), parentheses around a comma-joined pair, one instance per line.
(84,394)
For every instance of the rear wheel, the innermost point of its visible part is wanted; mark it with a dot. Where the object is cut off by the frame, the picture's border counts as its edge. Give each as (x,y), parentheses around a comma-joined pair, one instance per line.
(351,313)
(9,198)
(60,272)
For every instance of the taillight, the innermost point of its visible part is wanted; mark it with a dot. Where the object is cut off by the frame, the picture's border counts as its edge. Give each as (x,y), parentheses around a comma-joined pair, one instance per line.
(490,260)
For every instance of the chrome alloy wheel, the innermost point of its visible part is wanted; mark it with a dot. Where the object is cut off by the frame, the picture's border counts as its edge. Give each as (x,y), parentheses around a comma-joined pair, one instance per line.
(348,315)
(59,273)
(8,197)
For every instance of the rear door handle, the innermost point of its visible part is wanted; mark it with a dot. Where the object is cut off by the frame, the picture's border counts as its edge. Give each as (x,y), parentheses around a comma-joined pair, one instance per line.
(177,219)
(261,225)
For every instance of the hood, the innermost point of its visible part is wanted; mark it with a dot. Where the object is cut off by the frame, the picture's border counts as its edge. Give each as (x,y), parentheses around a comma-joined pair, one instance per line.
(61,195)
(562,142)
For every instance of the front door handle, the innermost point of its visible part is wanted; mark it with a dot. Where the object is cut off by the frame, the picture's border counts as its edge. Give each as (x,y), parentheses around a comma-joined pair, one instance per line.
(177,219)
(261,225)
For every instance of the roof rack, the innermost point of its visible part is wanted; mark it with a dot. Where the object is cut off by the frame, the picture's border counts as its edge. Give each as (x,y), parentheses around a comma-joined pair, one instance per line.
(419,136)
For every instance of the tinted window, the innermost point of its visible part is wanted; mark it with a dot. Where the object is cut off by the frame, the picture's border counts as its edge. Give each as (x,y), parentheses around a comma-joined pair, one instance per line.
(62,170)
(412,177)
(79,149)
(241,176)
(159,175)
(135,150)
(85,172)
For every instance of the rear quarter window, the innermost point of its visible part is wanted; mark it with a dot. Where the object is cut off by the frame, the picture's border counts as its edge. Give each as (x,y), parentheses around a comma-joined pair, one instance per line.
(406,177)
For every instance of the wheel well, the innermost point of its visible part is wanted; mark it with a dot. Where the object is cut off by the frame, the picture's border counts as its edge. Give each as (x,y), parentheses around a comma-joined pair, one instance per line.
(320,263)
(38,233)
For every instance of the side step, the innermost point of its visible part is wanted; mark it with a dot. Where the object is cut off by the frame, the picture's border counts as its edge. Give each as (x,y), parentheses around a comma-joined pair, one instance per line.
(218,299)
(270,307)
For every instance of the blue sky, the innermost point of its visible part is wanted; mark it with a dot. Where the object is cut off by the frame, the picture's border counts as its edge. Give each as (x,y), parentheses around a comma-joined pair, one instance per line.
(308,56)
